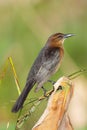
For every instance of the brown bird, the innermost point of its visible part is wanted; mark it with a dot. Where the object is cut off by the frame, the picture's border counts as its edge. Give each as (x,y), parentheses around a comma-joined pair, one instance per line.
(45,65)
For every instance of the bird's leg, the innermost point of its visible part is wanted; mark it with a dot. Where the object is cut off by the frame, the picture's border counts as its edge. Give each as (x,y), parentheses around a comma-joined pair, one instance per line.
(44,91)
(52,82)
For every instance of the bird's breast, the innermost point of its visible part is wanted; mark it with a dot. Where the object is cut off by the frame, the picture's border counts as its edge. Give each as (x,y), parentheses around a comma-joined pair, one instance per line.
(58,58)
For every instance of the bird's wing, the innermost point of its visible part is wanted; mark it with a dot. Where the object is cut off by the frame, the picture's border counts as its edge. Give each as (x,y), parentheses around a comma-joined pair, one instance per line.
(49,61)
(49,64)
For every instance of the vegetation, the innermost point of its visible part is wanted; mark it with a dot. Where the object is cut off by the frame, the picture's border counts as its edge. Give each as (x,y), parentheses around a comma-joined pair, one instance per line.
(24,28)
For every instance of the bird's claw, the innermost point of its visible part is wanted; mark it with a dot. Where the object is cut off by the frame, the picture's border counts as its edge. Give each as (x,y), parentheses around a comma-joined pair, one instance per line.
(45,95)
(51,81)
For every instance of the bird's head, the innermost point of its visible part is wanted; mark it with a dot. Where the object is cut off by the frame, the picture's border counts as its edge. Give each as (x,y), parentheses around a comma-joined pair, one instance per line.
(57,39)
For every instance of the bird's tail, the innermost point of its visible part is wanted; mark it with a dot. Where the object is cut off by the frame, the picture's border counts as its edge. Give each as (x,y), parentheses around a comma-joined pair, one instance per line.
(22,97)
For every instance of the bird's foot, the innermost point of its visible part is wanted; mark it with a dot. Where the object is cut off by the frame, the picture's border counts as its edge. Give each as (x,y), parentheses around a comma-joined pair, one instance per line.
(44,90)
(52,82)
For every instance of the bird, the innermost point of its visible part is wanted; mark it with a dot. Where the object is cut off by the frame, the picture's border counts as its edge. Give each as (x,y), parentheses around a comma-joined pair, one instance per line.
(46,64)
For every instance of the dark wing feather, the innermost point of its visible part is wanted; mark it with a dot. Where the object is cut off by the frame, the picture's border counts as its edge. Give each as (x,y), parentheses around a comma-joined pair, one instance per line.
(50,61)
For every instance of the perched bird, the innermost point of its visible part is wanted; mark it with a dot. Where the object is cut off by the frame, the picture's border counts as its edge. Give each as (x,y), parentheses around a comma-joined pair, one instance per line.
(45,65)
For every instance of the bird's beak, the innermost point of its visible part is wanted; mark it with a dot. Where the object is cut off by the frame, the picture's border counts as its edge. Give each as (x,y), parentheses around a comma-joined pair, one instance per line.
(68,35)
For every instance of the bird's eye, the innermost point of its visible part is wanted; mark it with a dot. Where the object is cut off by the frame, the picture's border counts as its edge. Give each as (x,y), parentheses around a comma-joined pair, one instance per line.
(59,36)
(60,88)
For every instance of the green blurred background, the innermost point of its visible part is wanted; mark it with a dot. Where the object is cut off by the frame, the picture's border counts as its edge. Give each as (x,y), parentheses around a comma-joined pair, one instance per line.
(25,26)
